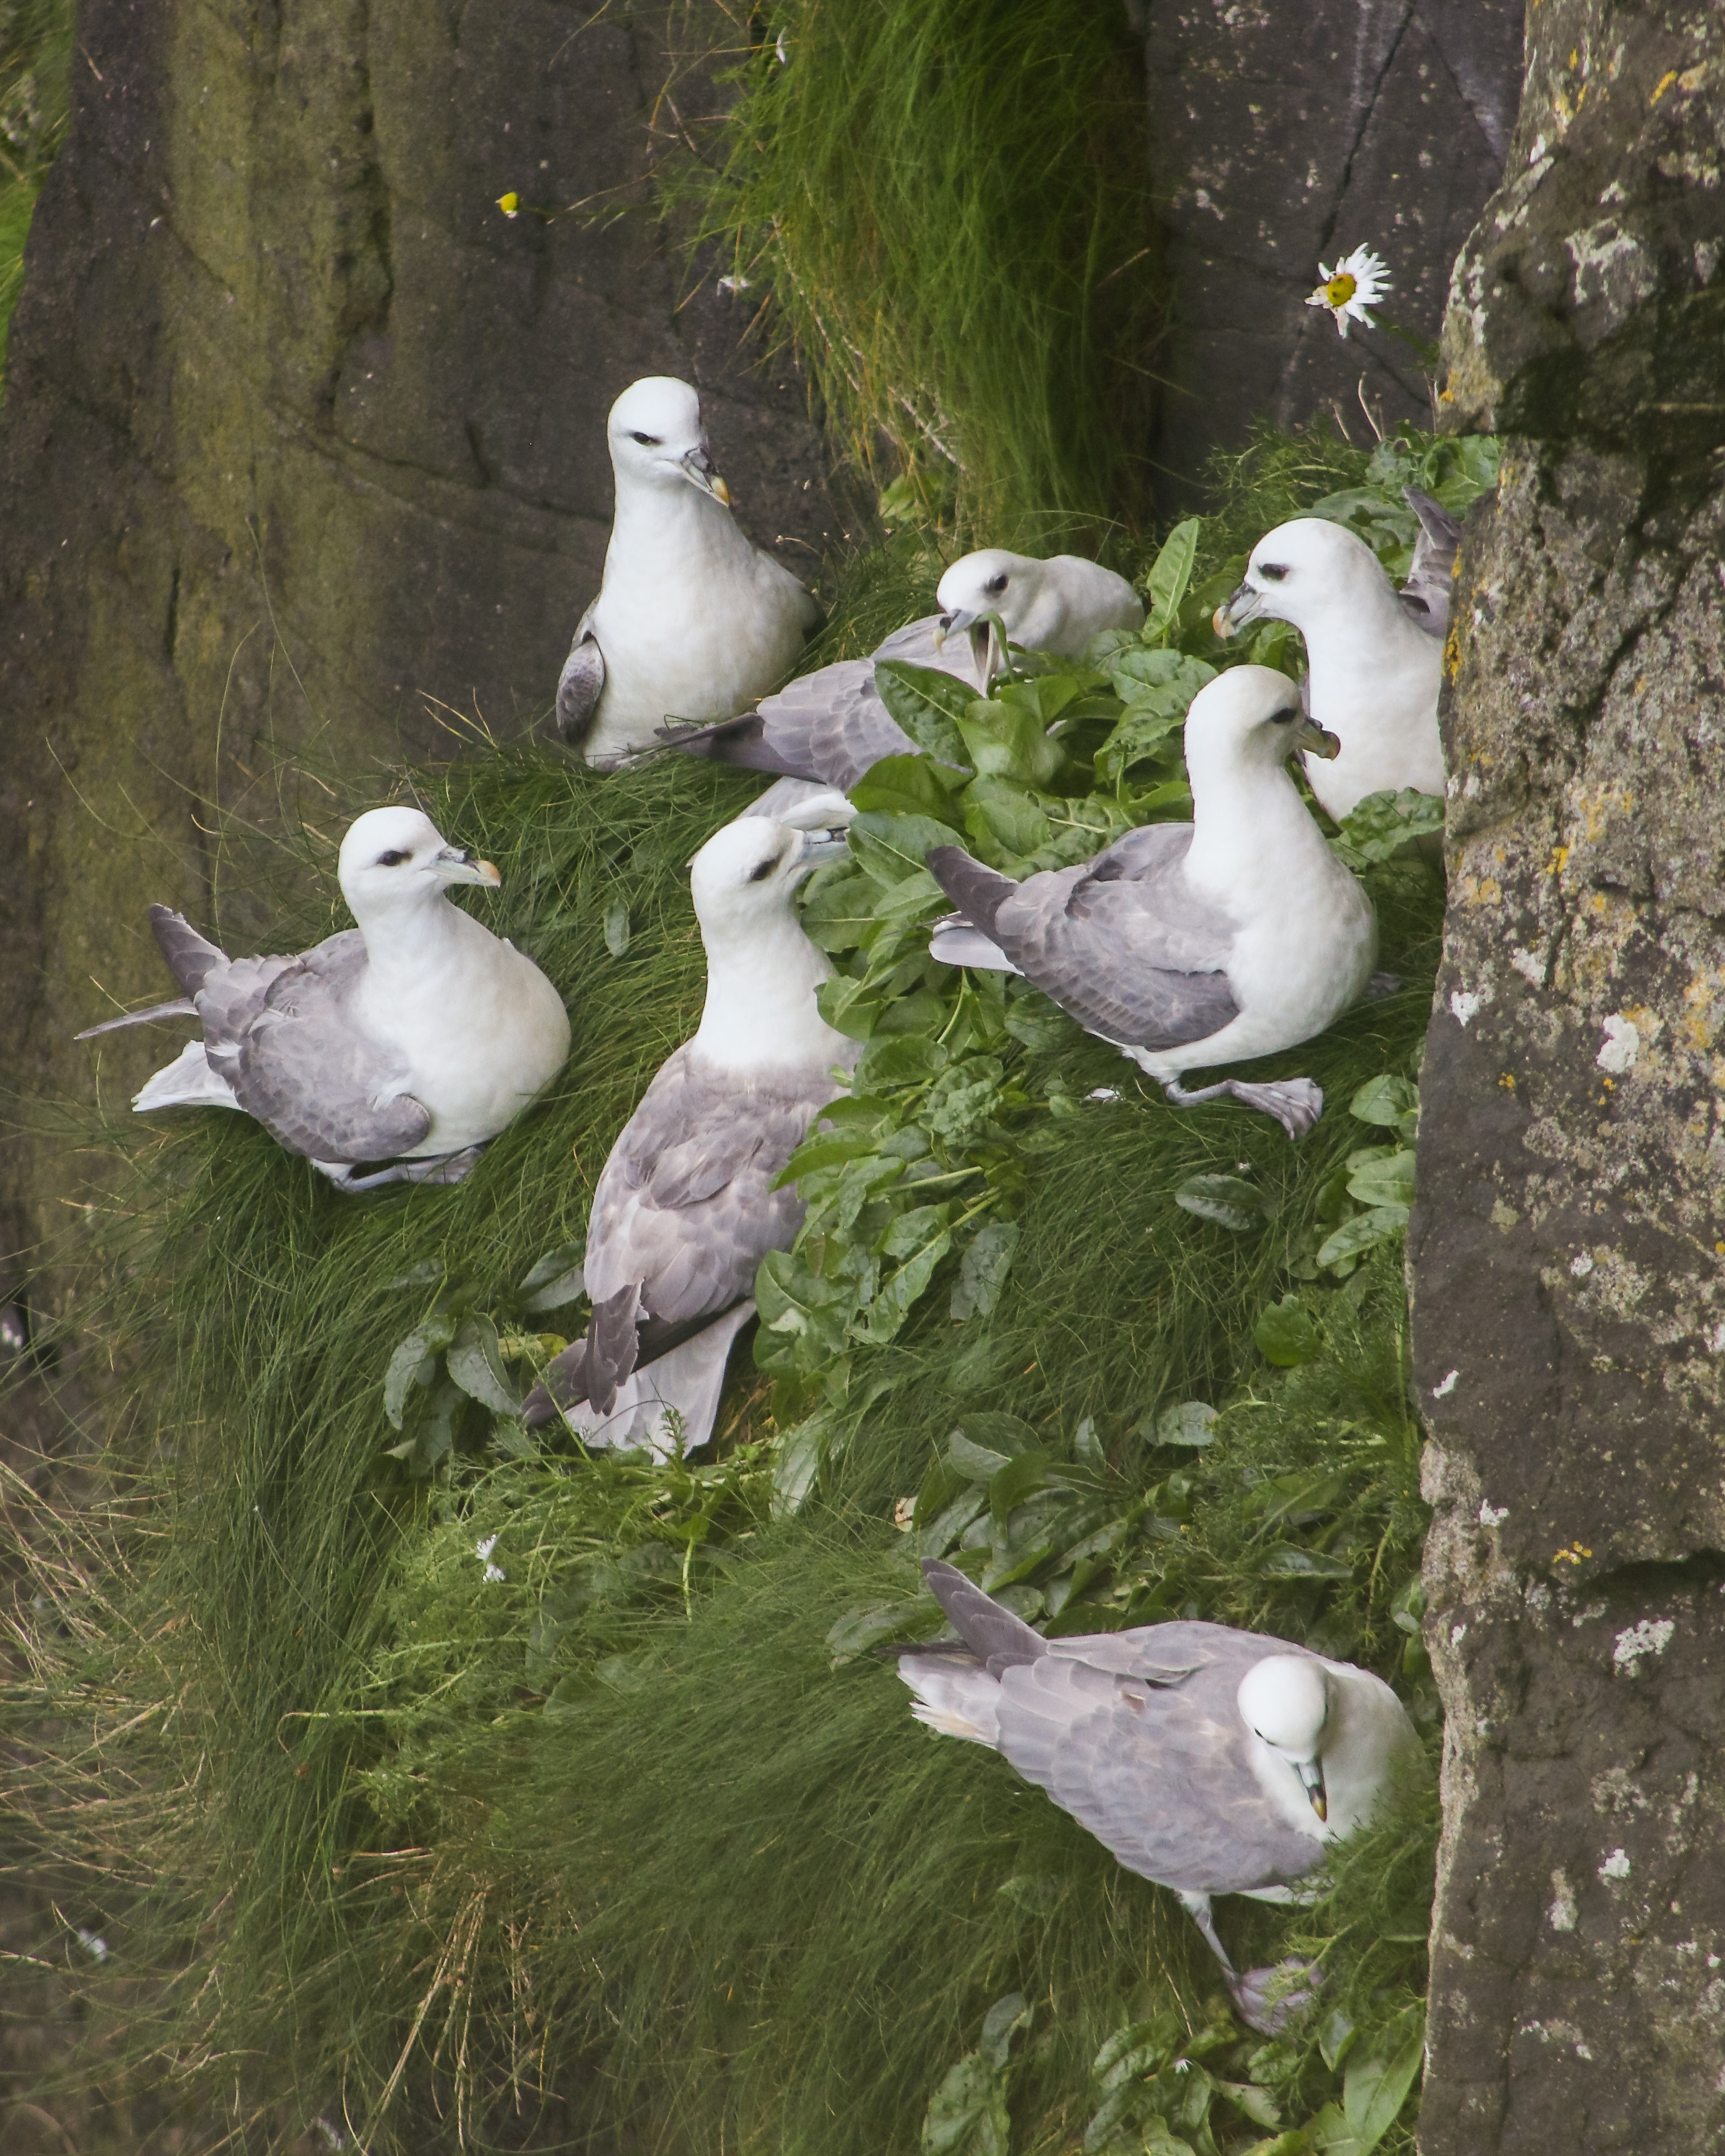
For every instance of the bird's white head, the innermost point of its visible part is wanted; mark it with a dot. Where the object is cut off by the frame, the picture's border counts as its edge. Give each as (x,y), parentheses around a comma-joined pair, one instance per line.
(989,591)
(1250,715)
(1302,573)
(393,860)
(745,874)
(656,437)
(1284,1702)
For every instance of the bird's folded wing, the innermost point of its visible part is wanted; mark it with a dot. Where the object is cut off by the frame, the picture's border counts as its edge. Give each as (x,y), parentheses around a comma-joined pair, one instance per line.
(1168,1653)
(191,958)
(281,1031)
(1430,581)
(832,726)
(580,685)
(1123,945)
(1160,1778)
(685,1204)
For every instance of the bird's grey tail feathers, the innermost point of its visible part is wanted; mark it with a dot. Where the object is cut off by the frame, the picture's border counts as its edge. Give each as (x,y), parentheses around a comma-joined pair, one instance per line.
(741,742)
(613,1345)
(998,1640)
(191,958)
(1426,594)
(570,1380)
(977,892)
(181,1008)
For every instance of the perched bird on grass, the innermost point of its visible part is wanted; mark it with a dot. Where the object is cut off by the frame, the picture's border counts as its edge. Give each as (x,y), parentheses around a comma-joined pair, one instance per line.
(1210,1760)
(1191,945)
(685,1207)
(691,621)
(831,726)
(1375,653)
(411,1040)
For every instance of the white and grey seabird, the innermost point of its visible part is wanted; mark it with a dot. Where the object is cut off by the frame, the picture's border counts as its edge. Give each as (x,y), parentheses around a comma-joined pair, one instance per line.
(686,1207)
(413,1039)
(1376,654)
(1190,945)
(1210,1760)
(830,726)
(691,622)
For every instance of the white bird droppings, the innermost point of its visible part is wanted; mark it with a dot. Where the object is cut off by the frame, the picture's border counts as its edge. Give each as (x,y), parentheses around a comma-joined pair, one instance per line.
(1651,1636)
(1442,1392)
(1622,1044)
(1493,1516)
(1616,1866)
(1561,1915)
(1464,1004)
(1529,965)
(1581,1265)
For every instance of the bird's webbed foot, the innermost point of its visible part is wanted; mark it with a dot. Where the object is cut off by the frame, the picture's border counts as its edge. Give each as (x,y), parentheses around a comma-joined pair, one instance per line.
(1272,1999)
(1296,1103)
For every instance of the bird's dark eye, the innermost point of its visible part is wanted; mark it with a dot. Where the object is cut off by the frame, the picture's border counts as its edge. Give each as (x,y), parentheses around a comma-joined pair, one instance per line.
(996,584)
(1284,716)
(766,869)
(391,860)
(648,441)
(1276,571)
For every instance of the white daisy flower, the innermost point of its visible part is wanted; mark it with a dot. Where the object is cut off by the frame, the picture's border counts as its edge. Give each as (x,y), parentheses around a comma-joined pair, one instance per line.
(1358,281)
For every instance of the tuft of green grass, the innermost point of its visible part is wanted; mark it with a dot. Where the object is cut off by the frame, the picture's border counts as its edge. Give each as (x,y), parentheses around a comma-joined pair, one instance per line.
(36,39)
(983,165)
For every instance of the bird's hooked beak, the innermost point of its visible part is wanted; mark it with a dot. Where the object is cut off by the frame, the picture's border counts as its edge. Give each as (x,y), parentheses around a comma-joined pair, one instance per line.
(1316,740)
(988,639)
(1312,1776)
(1242,606)
(819,847)
(698,467)
(453,866)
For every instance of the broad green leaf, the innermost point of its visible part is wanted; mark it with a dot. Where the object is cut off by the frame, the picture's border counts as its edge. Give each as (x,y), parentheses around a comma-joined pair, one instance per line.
(1230,1202)
(979,1463)
(850,1006)
(1193,1423)
(474,1365)
(1302,1496)
(1033,1891)
(1378,2081)
(1138,669)
(1362,1233)
(1382,823)
(891,847)
(902,1059)
(997,809)
(1288,1561)
(968,2115)
(1009,1486)
(617,929)
(1004,1434)
(913,1232)
(859,1630)
(1381,1177)
(1287,1335)
(414,1363)
(555,1266)
(796,1465)
(1169,575)
(927,704)
(891,1307)
(1007,740)
(1039,1025)
(984,1268)
(823,1152)
(791,1299)
(1257,2104)
(1000,2025)
(1391,1103)
(904,786)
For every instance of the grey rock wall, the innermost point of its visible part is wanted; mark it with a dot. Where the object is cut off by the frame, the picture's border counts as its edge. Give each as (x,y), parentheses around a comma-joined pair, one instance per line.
(300,431)
(1284,135)
(1568,1252)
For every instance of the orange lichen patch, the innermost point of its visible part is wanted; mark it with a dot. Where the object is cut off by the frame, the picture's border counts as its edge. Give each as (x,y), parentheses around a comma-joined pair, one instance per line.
(1559,856)
(1452,652)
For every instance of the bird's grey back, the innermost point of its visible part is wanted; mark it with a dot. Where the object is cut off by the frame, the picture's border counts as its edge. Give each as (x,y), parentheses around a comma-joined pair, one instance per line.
(832,725)
(685,1204)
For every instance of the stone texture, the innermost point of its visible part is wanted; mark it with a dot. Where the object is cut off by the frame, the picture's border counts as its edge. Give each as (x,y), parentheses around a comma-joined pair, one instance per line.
(1282,135)
(299,431)
(1568,1255)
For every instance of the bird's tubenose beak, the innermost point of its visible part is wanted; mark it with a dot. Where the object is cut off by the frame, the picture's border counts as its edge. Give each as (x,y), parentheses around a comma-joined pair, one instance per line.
(988,639)
(1316,740)
(699,466)
(819,847)
(454,866)
(1242,606)
(1312,1774)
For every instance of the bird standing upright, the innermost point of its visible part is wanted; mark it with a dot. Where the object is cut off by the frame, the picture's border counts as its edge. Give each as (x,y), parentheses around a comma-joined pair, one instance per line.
(691,622)
(1211,1760)
(687,1204)
(1190,945)
(1376,654)
(413,1039)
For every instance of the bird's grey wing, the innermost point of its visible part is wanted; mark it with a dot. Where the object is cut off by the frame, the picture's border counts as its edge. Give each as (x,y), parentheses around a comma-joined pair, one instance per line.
(1426,593)
(1123,945)
(191,957)
(281,1032)
(580,685)
(993,1634)
(832,726)
(685,1204)
(1167,1653)
(1159,1775)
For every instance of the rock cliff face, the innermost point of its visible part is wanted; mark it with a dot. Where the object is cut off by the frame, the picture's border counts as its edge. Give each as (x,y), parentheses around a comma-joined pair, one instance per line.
(1285,135)
(1567,1257)
(300,431)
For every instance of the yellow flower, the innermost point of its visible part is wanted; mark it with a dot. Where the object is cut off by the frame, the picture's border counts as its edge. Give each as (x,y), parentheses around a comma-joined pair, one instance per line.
(511,206)
(1358,281)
